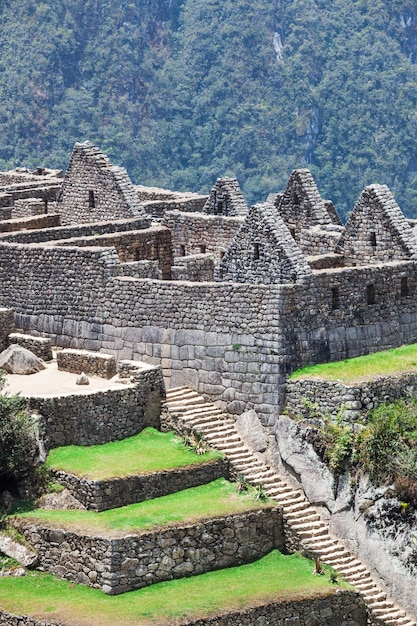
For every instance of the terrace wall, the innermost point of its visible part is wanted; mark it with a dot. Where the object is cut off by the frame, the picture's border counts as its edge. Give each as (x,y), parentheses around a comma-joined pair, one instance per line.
(101,495)
(305,397)
(100,416)
(118,565)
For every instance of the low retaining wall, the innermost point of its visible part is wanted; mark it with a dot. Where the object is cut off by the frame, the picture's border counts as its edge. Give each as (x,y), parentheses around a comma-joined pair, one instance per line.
(121,564)
(94,363)
(41,346)
(341,607)
(100,495)
(101,416)
(7,619)
(307,397)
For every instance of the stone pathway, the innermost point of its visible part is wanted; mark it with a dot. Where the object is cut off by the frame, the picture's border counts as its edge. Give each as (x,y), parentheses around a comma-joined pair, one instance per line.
(191,410)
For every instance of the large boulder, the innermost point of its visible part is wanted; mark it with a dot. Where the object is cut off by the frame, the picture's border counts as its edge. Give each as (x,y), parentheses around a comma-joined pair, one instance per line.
(301,460)
(251,431)
(18,360)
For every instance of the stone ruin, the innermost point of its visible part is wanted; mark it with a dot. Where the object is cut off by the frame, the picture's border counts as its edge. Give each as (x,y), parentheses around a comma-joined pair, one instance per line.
(204,291)
(225,299)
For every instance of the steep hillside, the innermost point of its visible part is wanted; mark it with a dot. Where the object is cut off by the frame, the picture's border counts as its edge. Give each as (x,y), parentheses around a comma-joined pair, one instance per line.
(182,91)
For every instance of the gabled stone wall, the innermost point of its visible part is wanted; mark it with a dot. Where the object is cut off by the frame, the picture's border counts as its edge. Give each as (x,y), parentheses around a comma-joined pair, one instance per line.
(377,231)
(94,190)
(263,251)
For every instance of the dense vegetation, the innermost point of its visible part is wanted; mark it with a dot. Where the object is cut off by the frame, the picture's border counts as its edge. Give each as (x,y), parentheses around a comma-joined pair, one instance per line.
(385,447)
(18,445)
(183,91)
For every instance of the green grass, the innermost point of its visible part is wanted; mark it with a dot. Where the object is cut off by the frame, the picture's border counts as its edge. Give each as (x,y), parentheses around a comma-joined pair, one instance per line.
(278,578)
(217,498)
(389,362)
(149,451)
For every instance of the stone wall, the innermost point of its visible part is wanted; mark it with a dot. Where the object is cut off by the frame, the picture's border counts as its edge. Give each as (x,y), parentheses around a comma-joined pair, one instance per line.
(152,243)
(48,233)
(220,338)
(345,312)
(101,416)
(101,495)
(7,619)
(140,269)
(29,207)
(6,326)
(91,363)
(306,397)
(200,233)
(93,189)
(158,208)
(263,251)
(199,268)
(319,240)
(118,565)
(47,221)
(232,342)
(377,230)
(41,346)
(342,608)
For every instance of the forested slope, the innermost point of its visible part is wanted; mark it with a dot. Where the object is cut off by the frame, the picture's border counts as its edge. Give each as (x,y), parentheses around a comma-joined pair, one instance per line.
(183,91)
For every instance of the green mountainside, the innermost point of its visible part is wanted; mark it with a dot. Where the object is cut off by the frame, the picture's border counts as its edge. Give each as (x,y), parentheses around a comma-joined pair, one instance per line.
(183,91)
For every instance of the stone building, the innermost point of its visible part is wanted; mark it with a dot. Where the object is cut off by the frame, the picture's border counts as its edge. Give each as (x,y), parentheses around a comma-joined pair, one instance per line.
(228,301)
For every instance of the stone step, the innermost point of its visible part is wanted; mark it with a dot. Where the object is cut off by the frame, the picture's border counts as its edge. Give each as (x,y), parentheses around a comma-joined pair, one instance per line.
(313,532)
(332,550)
(338,559)
(294,502)
(376,595)
(258,473)
(385,614)
(304,524)
(214,434)
(220,431)
(230,440)
(174,391)
(197,412)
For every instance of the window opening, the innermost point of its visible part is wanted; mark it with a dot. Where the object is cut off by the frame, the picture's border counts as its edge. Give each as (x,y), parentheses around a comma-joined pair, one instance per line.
(219,210)
(372,239)
(91,199)
(370,294)
(202,248)
(404,287)
(256,251)
(335,298)
(182,250)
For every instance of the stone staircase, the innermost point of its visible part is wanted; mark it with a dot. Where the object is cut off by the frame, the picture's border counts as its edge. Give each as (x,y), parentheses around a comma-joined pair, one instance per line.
(191,411)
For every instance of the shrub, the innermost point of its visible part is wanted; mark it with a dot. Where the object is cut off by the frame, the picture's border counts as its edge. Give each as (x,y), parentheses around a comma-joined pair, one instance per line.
(18,443)
(335,443)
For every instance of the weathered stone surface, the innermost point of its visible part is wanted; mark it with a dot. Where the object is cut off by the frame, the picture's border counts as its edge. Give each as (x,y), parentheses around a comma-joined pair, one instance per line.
(17,551)
(301,460)
(18,360)
(251,431)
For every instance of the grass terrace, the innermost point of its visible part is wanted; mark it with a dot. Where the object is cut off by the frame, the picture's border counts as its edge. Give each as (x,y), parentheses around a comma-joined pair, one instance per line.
(386,363)
(149,451)
(214,499)
(278,578)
